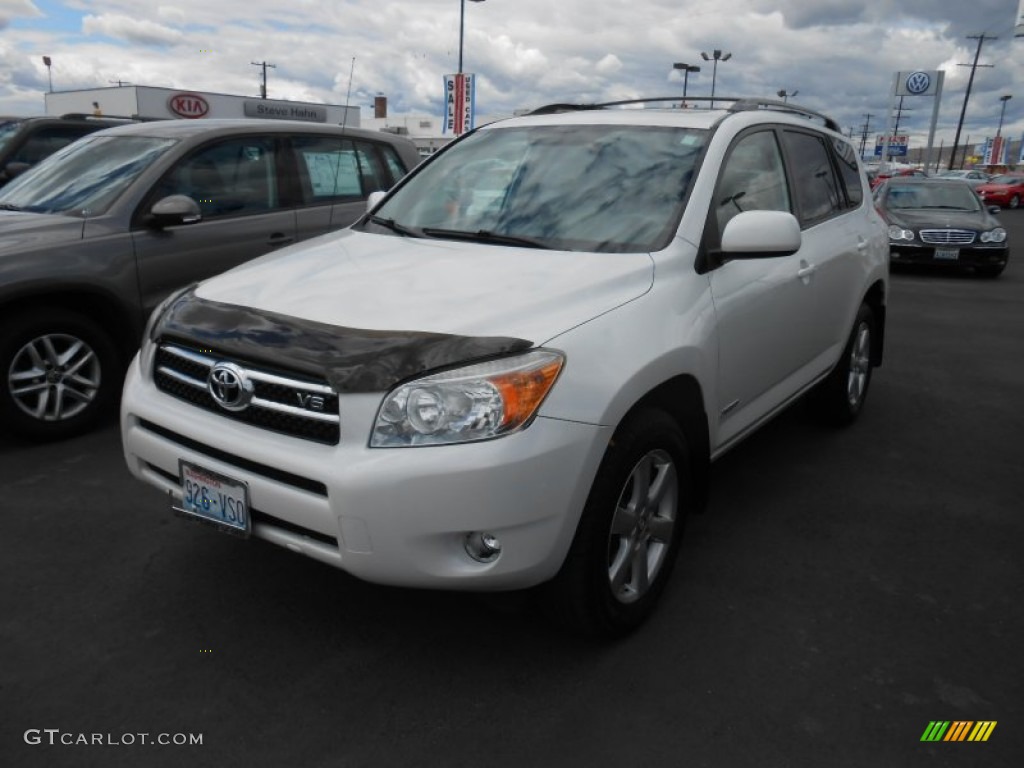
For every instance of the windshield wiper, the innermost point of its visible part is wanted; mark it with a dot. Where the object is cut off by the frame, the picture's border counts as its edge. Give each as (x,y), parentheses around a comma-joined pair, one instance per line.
(485,236)
(394,226)
(9,207)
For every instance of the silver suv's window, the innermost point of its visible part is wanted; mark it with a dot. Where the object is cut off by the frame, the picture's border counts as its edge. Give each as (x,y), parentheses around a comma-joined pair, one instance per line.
(84,178)
(605,188)
(817,189)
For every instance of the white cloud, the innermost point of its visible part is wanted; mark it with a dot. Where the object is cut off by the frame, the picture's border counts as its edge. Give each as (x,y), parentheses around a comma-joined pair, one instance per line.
(13,9)
(139,31)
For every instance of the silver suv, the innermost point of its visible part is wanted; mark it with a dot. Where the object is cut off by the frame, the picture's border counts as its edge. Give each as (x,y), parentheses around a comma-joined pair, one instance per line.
(516,369)
(95,236)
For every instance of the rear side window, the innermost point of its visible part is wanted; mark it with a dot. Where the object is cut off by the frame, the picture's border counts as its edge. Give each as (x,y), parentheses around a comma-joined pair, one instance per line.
(336,169)
(815,185)
(394,163)
(846,159)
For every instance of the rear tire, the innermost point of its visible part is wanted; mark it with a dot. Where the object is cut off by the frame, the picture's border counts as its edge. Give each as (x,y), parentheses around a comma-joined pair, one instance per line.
(59,373)
(840,398)
(630,531)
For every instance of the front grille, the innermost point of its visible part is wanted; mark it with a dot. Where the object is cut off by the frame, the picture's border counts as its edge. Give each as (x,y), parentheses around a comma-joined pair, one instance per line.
(278,399)
(947,236)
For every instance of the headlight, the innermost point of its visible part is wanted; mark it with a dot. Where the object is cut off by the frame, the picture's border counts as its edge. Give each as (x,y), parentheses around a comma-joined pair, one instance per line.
(476,402)
(997,235)
(148,350)
(899,233)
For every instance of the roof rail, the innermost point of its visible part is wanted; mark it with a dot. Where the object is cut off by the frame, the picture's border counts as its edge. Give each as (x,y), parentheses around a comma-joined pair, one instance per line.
(90,116)
(739,104)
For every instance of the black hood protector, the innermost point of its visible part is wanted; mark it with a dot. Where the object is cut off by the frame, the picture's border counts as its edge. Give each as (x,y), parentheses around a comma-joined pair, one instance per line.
(350,359)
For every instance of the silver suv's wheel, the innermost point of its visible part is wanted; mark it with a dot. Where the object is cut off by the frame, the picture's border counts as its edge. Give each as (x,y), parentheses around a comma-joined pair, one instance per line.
(629,534)
(840,397)
(59,372)
(643,526)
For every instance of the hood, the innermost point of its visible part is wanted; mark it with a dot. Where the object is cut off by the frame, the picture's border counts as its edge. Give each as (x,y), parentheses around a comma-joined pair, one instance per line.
(941,219)
(26,231)
(383,282)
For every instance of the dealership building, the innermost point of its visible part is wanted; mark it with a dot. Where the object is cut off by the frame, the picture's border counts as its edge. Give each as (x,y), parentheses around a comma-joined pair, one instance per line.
(171,103)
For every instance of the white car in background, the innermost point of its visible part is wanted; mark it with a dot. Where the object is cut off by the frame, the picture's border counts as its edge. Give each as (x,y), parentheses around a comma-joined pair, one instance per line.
(523,384)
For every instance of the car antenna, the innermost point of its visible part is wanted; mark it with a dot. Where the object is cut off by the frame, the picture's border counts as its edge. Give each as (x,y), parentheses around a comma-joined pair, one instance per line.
(348,95)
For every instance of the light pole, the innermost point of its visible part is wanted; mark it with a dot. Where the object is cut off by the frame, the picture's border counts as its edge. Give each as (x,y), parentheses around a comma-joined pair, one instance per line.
(785,96)
(717,56)
(686,69)
(1002,113)
(49,72)
(462,27)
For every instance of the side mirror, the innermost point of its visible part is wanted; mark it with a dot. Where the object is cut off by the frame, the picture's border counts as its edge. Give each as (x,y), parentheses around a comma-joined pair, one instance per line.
(374,200)
(761,234)
(13,170)
(174,209)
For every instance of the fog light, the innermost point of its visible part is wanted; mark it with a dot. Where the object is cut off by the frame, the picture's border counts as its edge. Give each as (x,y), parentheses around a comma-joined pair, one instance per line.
(482,547)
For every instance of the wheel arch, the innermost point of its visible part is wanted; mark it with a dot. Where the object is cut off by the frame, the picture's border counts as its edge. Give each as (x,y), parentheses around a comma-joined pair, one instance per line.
(875,299)
(119,321)
(682,398)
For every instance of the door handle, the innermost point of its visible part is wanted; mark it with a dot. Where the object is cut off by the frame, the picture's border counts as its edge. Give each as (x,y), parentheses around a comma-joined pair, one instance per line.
(280,238)
(862,244)
(805,271)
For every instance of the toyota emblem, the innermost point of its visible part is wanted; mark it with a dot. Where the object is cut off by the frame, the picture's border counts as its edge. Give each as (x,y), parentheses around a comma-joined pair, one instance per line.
(229,387)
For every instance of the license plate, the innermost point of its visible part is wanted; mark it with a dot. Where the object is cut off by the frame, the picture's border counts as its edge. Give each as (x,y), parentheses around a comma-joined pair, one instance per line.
(213,498)
(950,254)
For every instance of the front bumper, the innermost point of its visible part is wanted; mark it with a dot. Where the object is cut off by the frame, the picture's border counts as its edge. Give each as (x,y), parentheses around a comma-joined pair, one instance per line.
(969,256)
(393,516)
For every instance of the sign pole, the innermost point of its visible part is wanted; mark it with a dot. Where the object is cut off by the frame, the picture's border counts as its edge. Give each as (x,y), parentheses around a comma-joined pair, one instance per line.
(884,164)
(940,78)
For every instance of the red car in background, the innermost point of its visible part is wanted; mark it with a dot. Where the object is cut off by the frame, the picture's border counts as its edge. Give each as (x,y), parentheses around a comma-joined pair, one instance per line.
(1006,190)
(877,178)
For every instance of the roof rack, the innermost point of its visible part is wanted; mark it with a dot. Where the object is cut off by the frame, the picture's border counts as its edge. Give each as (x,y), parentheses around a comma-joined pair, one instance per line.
(739,104)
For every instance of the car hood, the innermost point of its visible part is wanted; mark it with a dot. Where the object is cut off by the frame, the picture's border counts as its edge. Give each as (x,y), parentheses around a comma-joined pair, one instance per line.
(941,219)
(23,231)
(382,282)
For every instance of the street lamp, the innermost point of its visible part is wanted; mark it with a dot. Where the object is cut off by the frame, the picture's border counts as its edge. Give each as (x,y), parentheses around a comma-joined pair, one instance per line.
(462,27)
(49,72)
(686,69)
(785,96)
(718,56)
(1002,113)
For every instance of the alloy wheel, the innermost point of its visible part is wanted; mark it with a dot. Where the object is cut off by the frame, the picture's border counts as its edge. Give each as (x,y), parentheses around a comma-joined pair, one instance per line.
(642,526)
(54,377)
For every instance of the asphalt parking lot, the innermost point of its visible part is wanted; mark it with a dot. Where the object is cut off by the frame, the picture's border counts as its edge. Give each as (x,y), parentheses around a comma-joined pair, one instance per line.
(844,590)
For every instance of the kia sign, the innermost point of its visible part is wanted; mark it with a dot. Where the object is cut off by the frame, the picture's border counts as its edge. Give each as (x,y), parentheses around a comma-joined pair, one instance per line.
(188,105)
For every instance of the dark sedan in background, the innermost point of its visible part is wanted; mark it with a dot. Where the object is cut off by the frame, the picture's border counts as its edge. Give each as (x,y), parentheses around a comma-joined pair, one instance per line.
(941,222)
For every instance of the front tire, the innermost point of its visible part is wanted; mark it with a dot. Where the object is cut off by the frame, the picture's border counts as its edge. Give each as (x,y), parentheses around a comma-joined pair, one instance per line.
(840,397)
(630,531)
(58,374)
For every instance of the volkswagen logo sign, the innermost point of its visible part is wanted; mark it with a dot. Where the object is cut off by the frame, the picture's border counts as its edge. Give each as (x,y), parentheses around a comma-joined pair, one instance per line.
(229,387)
(918,83)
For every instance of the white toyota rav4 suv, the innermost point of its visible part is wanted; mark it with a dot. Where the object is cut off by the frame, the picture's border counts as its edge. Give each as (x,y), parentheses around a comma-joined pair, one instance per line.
(515,370)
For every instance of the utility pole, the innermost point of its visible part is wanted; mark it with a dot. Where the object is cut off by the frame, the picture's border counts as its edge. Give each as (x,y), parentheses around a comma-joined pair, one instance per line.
(864,133)
(970,82)
(899,113)
(263,81)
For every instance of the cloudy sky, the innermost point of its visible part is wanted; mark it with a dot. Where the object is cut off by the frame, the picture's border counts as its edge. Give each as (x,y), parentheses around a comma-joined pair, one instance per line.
(839,54)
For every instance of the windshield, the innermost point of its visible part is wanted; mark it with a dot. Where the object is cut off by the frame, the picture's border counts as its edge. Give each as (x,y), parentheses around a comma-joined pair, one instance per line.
(951,196)
(605,188)
(85,177)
